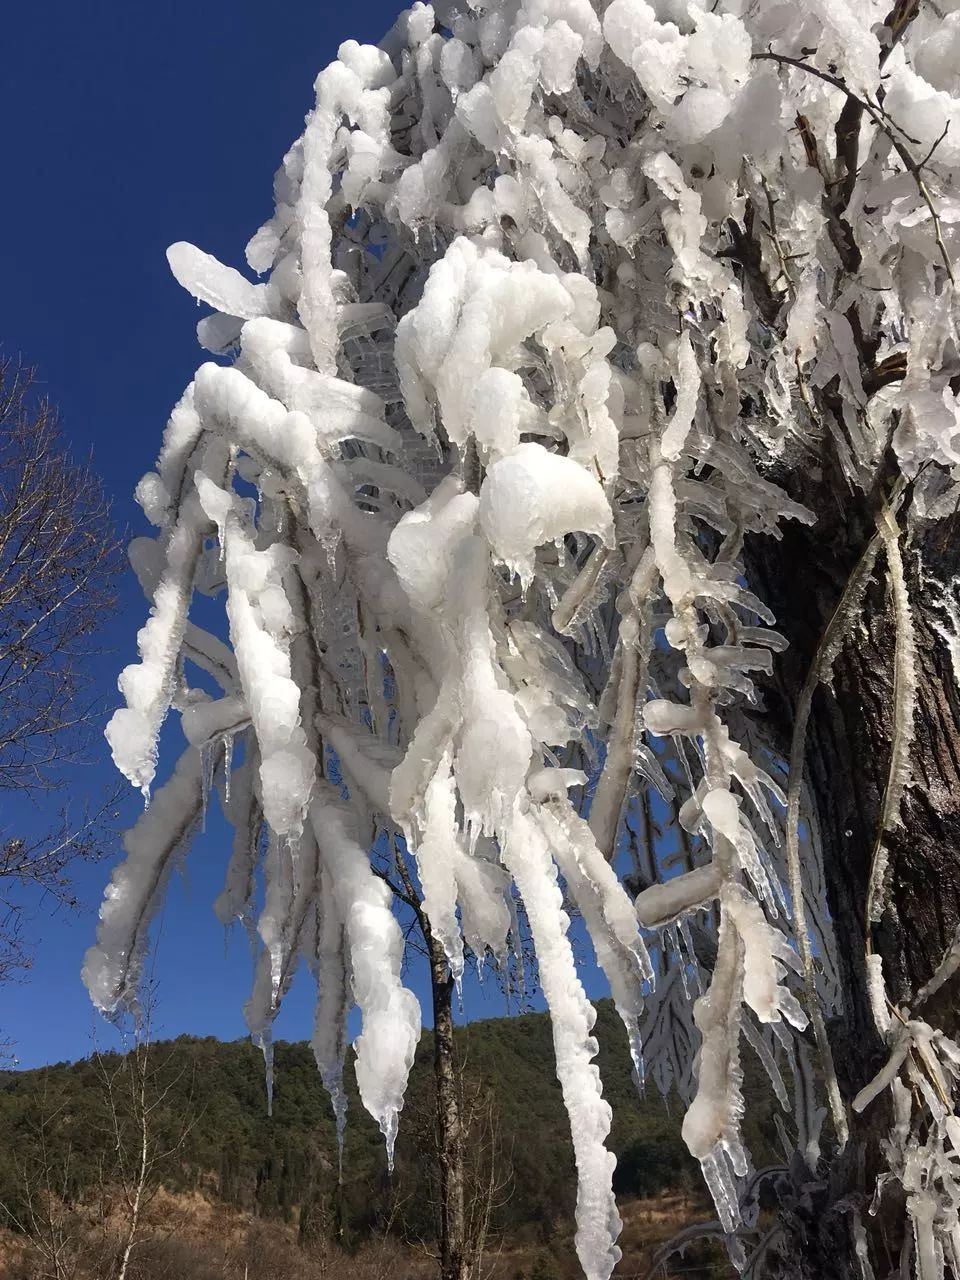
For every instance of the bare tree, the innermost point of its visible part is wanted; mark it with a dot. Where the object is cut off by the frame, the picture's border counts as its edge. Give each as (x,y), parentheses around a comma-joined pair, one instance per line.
(59,560)
(45,1215)
(145,1138)
(489,1174)
(138,1138)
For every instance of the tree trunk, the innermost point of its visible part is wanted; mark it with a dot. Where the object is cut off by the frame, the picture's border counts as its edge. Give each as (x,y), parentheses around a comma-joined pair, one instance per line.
(847,763)
(454,1246)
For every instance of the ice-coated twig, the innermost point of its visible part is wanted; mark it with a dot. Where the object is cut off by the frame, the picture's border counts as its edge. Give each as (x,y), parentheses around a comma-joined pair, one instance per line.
(904,706)
(945,970)
(881,120)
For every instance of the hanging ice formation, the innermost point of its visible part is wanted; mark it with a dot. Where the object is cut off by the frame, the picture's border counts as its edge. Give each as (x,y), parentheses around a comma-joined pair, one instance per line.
(483,445)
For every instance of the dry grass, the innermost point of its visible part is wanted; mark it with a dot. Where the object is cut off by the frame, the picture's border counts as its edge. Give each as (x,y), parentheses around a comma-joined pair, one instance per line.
(191,1237)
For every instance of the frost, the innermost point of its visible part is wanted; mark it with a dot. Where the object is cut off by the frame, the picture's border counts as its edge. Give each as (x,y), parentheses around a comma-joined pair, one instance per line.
(846,26)
(937,58)
(713,61)
(802,321)
(423,545)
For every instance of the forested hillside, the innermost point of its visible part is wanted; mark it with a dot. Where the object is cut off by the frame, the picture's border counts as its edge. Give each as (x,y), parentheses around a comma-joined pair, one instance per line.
(284,1167)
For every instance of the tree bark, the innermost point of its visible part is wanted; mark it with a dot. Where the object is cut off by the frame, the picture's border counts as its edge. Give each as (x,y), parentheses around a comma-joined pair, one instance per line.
(847,762)
(454,1246)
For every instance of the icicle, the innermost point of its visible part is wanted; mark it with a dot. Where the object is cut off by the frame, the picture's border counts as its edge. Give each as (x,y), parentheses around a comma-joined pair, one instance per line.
(244,811)
(111,968)
(585,593)
(598,1223)
(712,1122)
(438,852)
(608,800)
(922,1208)
(227,765)
(755,1040)
(148,686)
(391,1015)
(206,780)
(616,941)
(877,993)
(766,957)
(333,998)
(887,1073)
(259,614)
(690,964)
(688,390)
(722,1188)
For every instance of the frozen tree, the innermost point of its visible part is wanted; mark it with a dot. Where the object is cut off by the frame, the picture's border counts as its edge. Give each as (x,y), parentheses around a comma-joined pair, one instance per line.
(581,485)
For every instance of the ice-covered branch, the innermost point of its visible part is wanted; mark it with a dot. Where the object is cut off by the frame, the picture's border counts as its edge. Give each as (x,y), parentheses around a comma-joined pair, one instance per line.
(556,316)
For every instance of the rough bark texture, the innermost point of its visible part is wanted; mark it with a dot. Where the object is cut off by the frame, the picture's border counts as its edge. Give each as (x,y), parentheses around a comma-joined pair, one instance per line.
(847,763)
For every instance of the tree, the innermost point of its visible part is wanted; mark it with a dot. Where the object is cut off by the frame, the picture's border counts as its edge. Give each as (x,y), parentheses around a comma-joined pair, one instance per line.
(462,1179)
(44,1211)
(596,343)
(88,1165)
(59,562)
(145,1135)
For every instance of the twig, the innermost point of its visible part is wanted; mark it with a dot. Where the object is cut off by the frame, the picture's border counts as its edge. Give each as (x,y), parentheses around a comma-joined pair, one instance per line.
(774,237)
(880,119)
(929,156)
(904,700)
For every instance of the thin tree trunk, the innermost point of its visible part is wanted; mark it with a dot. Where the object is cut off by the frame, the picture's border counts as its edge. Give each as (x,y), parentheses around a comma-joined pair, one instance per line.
(134,1202)
(454,1249)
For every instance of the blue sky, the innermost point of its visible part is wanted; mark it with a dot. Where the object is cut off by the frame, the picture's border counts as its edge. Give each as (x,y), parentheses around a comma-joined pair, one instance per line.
(128,127)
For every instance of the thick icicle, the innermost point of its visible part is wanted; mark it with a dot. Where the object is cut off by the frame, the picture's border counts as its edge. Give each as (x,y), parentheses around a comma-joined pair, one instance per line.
(391,1015)
(112,968)
(527,857)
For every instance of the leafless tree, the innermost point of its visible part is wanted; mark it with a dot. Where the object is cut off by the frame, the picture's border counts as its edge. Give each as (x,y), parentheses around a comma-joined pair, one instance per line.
(45,1215)
(489,1175)
(71,1234)
(145,1138)
(59,560)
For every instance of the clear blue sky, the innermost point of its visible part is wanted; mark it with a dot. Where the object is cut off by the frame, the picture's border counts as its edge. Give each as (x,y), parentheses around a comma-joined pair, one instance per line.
(129,126)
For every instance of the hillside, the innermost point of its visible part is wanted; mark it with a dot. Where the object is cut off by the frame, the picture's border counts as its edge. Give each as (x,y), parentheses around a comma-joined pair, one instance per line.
(282,1170)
